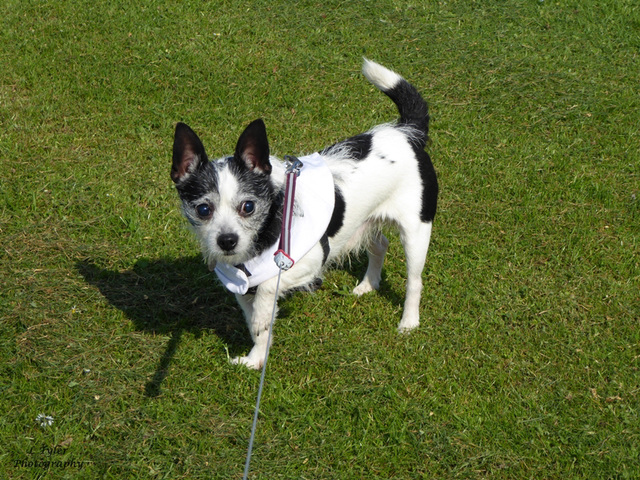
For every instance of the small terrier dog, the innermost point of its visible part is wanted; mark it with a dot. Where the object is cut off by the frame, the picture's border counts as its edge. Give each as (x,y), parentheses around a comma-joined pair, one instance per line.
(344,194)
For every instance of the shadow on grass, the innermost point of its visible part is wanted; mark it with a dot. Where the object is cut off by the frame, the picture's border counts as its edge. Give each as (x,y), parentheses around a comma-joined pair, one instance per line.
(171,297)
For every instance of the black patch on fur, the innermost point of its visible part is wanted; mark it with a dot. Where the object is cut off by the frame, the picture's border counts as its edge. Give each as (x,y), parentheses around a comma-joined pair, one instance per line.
(270,231)
(429,186)
(199,184)
(326,249)
(357,148)
(337,217)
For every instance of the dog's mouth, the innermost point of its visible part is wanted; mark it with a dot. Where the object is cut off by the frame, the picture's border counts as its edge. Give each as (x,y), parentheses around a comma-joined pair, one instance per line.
(215,256)
(231,257)
(223,257)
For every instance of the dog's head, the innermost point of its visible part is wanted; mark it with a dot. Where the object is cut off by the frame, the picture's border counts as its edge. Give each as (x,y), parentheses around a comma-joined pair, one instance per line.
(232,203)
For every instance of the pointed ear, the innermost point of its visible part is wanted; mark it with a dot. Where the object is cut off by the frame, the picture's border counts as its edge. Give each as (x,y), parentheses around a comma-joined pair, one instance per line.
(253,147)
(188,153)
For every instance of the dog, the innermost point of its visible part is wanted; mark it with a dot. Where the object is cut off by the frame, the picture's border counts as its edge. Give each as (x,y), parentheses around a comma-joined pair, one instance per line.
(344,195)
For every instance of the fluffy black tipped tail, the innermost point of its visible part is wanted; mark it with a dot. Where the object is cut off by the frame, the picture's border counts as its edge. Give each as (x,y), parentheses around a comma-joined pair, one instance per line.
(412,107)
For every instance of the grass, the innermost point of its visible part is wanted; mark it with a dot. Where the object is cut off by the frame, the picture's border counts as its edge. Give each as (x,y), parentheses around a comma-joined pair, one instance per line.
(526,362)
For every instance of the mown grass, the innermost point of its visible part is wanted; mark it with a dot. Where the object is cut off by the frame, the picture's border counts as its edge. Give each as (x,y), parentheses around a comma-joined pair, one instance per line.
(526,363)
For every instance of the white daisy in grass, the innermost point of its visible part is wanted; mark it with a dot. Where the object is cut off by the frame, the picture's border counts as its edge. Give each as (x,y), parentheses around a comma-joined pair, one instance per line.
(44,420)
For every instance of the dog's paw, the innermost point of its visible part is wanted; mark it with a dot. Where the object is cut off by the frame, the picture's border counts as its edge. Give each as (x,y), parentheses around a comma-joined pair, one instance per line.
(365,286)
(248,362)
(408,324)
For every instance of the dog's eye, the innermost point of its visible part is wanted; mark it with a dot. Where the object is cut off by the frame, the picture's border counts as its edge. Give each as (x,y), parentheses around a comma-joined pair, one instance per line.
(204,210)
(247,208)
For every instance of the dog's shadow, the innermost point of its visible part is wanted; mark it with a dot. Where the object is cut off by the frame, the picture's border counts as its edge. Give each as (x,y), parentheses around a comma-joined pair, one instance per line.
(171,297)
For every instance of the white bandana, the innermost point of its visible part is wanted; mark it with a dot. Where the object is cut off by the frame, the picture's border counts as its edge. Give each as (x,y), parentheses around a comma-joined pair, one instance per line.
(314,204)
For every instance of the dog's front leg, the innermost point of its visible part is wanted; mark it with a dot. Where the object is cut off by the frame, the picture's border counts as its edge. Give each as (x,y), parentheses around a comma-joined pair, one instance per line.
(257,310)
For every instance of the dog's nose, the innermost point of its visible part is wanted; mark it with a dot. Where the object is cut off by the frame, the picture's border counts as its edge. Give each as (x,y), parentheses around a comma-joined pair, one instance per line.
(228,241)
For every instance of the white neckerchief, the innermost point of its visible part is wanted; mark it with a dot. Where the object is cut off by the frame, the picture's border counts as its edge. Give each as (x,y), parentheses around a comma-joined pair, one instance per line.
(314,202)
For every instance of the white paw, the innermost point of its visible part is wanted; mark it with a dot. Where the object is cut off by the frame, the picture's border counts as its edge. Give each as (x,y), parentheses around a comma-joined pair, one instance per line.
(408,324)
(248,362)
(364,287)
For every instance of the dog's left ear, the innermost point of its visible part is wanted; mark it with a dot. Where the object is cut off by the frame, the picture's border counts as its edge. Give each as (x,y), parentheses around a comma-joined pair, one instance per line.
(253,147)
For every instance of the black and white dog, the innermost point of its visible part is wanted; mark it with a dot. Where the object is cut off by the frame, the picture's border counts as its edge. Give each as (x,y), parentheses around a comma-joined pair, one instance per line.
(344,195)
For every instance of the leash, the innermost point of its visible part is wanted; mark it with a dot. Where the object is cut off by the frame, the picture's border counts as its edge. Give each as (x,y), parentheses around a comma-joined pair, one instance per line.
(284,262)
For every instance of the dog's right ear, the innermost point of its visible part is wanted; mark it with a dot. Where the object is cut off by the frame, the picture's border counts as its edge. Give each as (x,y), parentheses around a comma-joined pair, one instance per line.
(188,153)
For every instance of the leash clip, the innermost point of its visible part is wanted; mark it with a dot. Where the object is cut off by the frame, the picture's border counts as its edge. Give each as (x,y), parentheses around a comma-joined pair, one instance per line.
(293,164)
(283,261)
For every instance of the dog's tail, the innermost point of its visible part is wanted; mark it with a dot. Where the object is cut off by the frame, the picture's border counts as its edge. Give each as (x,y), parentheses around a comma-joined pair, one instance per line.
(413,109)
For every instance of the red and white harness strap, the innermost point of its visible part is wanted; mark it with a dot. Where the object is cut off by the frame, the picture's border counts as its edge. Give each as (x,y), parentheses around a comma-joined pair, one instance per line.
(283,254)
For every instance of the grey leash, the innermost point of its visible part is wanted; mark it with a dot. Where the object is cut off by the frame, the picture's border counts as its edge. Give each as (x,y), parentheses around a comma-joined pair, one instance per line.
(262,375)
(284,262)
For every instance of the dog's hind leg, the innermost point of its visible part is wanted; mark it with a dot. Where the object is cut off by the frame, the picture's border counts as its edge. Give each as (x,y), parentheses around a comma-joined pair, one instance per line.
(376,251)
(416,245)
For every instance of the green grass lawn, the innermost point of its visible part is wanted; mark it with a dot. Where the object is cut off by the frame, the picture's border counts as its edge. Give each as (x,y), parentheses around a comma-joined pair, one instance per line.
(526,364)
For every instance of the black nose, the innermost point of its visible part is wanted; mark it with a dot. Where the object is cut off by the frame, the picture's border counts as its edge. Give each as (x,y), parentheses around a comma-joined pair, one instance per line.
(228,241)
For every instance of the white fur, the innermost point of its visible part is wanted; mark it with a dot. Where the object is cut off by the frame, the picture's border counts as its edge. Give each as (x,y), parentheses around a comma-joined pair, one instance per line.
(381,77)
